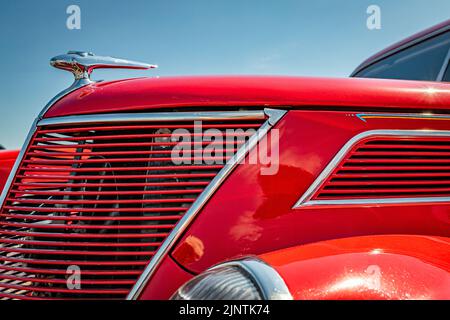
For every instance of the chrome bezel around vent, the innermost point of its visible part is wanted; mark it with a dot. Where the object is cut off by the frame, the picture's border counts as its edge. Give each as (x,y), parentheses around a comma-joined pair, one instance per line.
(306,199)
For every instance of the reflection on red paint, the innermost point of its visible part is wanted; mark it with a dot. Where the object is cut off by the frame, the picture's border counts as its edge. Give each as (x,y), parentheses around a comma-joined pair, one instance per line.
(191,250)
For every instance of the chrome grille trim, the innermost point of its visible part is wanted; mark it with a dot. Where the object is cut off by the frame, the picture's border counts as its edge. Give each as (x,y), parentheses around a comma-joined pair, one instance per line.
(274,115)
(156,116)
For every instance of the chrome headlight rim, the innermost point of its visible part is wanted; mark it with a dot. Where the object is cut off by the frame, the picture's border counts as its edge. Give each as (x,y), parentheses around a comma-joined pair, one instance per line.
(266,280)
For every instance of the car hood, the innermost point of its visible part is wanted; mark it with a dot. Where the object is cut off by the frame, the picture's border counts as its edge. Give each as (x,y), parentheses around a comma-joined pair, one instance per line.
(175,93)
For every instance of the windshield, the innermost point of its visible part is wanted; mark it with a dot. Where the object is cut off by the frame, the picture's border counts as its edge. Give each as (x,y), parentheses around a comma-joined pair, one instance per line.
(422,61)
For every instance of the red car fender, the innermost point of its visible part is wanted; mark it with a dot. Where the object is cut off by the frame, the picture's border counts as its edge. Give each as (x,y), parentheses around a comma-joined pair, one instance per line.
(370,267)
(7,159)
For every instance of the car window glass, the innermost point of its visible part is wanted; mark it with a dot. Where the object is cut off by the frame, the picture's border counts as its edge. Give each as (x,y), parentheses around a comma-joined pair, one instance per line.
(422,61)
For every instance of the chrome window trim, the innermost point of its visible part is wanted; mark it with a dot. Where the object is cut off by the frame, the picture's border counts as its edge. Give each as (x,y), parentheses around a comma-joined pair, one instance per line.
(305,199)
(274,115)
(425,37)
(268,280)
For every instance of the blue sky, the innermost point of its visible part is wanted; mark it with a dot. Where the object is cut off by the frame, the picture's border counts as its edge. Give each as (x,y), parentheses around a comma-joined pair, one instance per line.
(191,37)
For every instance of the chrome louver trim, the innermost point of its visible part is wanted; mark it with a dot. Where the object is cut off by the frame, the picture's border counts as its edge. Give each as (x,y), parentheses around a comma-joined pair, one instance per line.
(274,115)
(305,199)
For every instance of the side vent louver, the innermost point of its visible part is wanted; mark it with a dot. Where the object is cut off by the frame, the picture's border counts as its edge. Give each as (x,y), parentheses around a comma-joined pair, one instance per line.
(412,166)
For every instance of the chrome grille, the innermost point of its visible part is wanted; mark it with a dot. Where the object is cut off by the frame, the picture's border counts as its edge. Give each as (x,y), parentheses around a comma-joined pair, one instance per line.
(102,197)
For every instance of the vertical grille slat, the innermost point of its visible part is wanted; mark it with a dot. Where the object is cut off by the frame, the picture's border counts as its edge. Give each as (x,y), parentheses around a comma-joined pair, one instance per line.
(102,197)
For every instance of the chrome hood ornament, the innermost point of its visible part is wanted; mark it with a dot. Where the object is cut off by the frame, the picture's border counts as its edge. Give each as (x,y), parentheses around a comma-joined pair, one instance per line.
(81,64)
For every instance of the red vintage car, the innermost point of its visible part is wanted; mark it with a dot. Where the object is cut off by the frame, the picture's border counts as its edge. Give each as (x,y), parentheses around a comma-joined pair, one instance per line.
(236,187)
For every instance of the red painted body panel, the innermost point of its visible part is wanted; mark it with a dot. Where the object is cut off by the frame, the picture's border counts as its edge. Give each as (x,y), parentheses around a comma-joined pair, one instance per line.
(7,159)
(166,281)
(378,267)
(146,94)
(253,214)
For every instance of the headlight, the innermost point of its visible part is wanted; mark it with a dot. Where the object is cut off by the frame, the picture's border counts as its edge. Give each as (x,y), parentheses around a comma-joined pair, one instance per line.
(247,279)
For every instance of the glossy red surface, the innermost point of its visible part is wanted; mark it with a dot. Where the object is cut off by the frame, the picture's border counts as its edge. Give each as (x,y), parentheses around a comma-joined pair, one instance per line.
(372,267)
(7,159)
(146,94)
(253,213)
(168,278)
